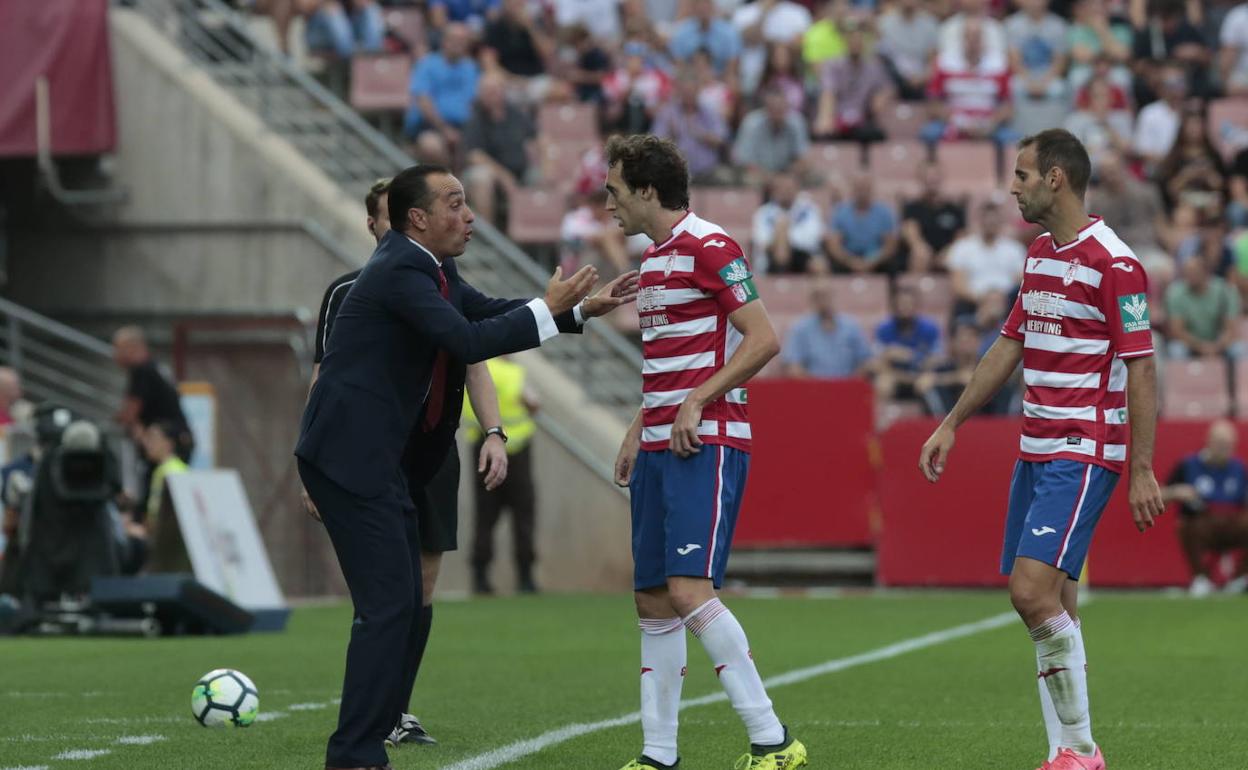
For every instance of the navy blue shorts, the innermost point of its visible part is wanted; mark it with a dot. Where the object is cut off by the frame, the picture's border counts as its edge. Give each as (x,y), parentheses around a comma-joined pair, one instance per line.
(1054,508)
(684,511)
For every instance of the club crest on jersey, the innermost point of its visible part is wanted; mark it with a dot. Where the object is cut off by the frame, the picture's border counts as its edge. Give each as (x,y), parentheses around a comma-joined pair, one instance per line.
(1071,271)
(1134,309)
(735,271)
(670,266)
(745,291)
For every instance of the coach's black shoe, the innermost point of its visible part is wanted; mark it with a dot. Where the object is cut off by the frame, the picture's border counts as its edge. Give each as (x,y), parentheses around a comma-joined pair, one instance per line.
(409,730)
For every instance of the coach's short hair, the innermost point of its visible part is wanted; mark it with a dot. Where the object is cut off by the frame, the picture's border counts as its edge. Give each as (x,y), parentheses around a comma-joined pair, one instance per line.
(648,161)
(1058,148)
(379,188)
(409,189)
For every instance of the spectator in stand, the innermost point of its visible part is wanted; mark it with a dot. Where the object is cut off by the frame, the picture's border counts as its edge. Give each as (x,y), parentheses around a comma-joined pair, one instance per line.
(930,223)
(473,14)
(498,148)
(1211,488)
(705,30)
(638,26)
(600,17)
(592,64)
(1102,128)
(713,92)
(1168,33)
(1233,58)
(151,397)
(10,393)
(771,140)
(788,230)
(969,93)
(942,384)
(907,344)
(443,87)
(1135,212)
(855,90)
(862,234)
(985,263)
(1237,190)
(1203,312)
(1157,126)
(159,443)
(1038,52)
(993,46)
(908,37)
(823,41)
(343,28)
(826,344)
(700,133)
(634,91)
(763,22)
(1193,172)
(784,73)
(589,236)
(520,48)
(1095,37)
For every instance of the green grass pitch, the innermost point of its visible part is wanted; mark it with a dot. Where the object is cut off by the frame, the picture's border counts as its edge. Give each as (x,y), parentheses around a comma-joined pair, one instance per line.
(1168,678)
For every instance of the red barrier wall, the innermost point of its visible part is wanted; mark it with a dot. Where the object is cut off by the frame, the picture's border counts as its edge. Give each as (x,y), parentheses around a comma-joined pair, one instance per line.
(950,533)
(812,482)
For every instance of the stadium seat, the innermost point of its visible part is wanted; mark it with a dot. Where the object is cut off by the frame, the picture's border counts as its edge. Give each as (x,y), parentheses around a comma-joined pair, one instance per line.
(902,121)
(865,297)
(835,159)
(732,208)
(894,166)
(408,24)
(1196,389)
(572,123)
(380,83)
(935,294)
(784,294)
(535,215)
(561,161)
(1228,125)
(968,167)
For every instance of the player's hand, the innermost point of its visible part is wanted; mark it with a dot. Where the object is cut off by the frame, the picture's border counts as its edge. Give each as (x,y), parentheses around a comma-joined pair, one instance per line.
(621,291)
(685,441)
(626,460)
(1145,499)
(562,296)
(308,505)
(493,462)
(934,453)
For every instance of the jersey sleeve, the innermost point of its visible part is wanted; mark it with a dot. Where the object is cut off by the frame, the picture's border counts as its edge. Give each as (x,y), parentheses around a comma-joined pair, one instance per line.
(724,273)
(1013,327)
(1124,299)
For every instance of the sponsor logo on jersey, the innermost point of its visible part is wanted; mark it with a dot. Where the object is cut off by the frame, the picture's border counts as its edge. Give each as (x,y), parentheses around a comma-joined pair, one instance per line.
(658,319)
(1046,304)
(1134,309)
(1123,266)
(735,271)
(1044,327)
(688,549)
(1043,531)
(650,298)
(1073,441)
(718,244)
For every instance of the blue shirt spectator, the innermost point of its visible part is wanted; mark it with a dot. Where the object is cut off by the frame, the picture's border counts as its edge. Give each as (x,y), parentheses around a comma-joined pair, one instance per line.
(330,31)
(705,31)
(825,343)
(863,232)
(920,335)
(448,79)
(470,12)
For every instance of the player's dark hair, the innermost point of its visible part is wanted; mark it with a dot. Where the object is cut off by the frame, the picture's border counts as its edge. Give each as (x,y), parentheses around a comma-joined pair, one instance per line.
(409,189)
(1058,148)
(648,161)
(379,188)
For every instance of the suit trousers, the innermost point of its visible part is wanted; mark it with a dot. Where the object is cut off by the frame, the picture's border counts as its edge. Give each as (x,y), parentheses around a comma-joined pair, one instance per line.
(378,546)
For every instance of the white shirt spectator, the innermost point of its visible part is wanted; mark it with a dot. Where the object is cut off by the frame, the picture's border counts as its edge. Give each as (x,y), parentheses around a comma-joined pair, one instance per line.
(1097,133)
(988,267)
(600,17)
(951,37)
(1156,129)
(909,42)
(1234,37)
(805,228)
(786,22)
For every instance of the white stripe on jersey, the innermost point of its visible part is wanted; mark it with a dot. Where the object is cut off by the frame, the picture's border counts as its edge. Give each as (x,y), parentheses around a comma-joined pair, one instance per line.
(1117,376)
(1066,308)
(1042,379)
(677,363)
(664,432)
(670,297)
(737,429)
(1058,269)
(1116,452)
(680,263)
(1043,412)
(1058,344)
(1052,446)
(735,396)
(660,398)
(683,329)
(1116,416)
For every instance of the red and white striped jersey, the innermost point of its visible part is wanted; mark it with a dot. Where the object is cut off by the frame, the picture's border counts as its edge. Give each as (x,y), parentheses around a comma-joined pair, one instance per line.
(1083,307)
(690,284)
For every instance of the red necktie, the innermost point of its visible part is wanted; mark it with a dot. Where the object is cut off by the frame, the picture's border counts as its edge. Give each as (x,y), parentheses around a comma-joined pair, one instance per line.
(437,383)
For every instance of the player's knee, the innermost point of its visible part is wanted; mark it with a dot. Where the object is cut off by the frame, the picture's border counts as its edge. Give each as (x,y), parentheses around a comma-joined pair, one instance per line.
(652,603)
(688,595)
(1031,601)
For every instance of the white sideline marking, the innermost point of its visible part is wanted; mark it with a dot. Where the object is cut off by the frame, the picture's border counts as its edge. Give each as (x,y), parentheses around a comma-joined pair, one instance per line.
(307,706)
(513,751)
(139,740)
(269,716)
(83,753)
(27,767)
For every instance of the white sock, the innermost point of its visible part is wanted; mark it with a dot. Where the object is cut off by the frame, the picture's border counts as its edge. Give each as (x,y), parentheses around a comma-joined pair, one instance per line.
(1061,668)
(725,642)
(662,675)
(1052,725)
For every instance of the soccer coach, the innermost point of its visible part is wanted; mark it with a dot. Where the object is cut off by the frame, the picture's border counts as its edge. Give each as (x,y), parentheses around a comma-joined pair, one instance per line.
(407,320)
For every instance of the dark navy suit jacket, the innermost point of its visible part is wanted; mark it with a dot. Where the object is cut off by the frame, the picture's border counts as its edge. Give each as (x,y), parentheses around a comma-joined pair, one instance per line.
(376,374)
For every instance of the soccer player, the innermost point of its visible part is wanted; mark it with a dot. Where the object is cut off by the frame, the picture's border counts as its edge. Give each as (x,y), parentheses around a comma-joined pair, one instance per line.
(436,499)
(686,454)
(1080,326)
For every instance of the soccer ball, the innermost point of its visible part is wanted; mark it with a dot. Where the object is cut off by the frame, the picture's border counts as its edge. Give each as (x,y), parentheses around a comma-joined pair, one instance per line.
(225,697)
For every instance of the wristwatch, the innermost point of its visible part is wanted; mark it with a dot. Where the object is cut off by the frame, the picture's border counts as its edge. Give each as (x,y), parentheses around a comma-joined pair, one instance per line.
(497,430)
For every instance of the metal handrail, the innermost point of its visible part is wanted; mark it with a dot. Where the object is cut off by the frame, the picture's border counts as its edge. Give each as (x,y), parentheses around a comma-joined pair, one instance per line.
(55,328)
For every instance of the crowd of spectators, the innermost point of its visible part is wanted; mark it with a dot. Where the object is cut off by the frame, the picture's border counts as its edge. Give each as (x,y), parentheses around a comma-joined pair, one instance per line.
(750,90)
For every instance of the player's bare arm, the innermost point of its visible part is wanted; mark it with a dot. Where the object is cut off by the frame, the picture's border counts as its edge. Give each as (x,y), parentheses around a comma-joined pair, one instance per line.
(484,398)
(629,448)
(1145,496)
(990,374)
(758,346)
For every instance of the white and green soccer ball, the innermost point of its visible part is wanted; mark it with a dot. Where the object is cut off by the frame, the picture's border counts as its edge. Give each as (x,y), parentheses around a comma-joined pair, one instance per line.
(225,697)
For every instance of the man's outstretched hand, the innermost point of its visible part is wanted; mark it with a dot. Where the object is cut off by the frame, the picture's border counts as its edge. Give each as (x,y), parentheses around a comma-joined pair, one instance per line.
(621,291)
(562,296)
